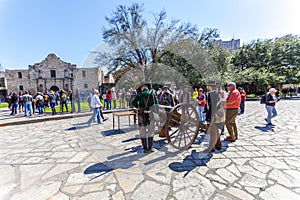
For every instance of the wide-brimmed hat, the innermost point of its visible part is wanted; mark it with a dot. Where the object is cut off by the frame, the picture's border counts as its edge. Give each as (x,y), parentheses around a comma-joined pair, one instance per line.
(143,84)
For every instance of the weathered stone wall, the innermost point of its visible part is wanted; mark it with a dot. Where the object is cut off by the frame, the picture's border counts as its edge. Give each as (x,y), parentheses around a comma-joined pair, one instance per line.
(67,76)
(87,78)
(14,81)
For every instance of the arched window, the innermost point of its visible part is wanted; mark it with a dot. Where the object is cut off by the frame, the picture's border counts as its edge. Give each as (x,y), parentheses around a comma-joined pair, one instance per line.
(67,86)
(39,74)
(41,88)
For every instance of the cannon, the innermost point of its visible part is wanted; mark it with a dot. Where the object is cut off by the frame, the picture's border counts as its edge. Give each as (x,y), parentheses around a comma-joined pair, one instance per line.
(180,125)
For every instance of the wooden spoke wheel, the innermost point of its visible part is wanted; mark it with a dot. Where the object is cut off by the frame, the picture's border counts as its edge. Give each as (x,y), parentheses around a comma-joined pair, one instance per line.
(182,126)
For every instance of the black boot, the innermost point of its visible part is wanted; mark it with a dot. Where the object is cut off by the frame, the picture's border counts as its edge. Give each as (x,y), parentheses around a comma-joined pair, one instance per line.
(144,144)
(150,144)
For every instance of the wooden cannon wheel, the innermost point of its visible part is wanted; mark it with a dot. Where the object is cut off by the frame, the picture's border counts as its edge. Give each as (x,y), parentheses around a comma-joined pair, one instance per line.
(182,126)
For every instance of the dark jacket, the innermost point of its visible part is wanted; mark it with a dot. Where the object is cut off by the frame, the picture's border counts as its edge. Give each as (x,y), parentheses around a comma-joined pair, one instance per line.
(143,101)
(269,98)
(214,108)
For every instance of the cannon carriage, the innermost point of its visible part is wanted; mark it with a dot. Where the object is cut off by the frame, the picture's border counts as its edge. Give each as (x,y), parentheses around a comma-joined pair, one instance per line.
(180,125)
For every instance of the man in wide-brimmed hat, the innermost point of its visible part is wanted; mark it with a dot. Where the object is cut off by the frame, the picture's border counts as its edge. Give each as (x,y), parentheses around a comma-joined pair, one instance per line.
(139,88)
(214,119)
(143,101)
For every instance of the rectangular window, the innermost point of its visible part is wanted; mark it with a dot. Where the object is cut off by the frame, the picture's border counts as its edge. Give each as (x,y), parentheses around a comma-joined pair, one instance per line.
(19,74)
(2,82)
(83,73)
(21,88)
(53,74)
(85,86)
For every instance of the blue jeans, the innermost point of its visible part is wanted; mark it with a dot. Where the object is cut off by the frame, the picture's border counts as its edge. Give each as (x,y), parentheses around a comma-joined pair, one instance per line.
(14,108)
(52,105)
(41,109)
(96,112)
(108,104)
(272,112)
(201,114)
(78,105)
(28,107)
(242,107)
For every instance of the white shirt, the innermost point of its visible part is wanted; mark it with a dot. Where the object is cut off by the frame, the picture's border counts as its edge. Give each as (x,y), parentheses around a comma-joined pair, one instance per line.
(95,102)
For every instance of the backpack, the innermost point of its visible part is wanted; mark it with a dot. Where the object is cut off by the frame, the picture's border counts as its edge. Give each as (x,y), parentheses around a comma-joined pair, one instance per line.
(52,98)
(63,97)
(263,99)
(165,99)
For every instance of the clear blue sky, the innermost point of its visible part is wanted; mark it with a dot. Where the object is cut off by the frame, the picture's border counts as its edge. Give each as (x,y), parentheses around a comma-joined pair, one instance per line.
(31,29)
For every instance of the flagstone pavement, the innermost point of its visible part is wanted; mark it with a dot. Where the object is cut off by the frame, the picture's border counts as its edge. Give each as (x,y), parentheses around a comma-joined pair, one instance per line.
(66,159)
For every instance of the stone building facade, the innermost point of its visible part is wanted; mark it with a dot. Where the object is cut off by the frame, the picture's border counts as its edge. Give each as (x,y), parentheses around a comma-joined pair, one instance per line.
(54,74)
(231,44)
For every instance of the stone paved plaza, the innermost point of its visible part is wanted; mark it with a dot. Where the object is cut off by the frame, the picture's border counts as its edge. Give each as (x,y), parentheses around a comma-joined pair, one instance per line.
(65,159)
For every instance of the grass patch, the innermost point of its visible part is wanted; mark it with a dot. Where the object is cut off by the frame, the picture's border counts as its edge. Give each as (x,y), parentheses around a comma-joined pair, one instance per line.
(3,105)
(83,105)
(252,95)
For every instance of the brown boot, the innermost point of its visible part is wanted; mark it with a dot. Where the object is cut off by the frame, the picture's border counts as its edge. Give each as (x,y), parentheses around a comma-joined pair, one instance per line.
(218,144)
(144,144)
(150,144)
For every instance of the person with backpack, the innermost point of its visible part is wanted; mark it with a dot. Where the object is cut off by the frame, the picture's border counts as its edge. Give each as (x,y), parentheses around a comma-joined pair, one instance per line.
(271,100)
(39,102)
(166,98)
(63,101)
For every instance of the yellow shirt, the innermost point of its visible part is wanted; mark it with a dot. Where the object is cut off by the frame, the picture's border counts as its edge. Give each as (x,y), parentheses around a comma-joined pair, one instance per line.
(195,94)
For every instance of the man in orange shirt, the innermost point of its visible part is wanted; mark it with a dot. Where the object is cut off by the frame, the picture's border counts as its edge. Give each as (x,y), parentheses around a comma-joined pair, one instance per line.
(232,105)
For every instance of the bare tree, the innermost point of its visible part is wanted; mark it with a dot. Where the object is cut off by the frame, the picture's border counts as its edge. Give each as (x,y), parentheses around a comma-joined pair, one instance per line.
(134,44)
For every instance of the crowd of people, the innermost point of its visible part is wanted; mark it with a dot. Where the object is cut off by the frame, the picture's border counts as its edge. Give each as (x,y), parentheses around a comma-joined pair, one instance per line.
(217,108)
(28,103)
(210,102)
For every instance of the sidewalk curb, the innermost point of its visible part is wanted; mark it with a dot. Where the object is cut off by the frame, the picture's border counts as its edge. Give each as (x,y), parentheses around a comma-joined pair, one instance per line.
(55,117)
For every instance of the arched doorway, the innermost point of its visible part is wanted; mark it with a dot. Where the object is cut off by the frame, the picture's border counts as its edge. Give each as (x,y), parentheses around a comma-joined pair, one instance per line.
(54,88)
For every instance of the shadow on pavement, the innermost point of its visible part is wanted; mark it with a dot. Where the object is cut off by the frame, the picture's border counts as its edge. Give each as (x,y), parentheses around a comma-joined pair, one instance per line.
(78,126)
(265,128)
(196,159)
(112,132)
(124,160)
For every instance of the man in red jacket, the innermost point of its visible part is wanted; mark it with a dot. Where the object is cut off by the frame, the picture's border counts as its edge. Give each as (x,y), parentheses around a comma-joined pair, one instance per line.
(232,105)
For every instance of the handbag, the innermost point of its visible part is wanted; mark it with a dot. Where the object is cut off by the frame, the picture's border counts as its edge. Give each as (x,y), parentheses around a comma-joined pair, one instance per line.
(154,110)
